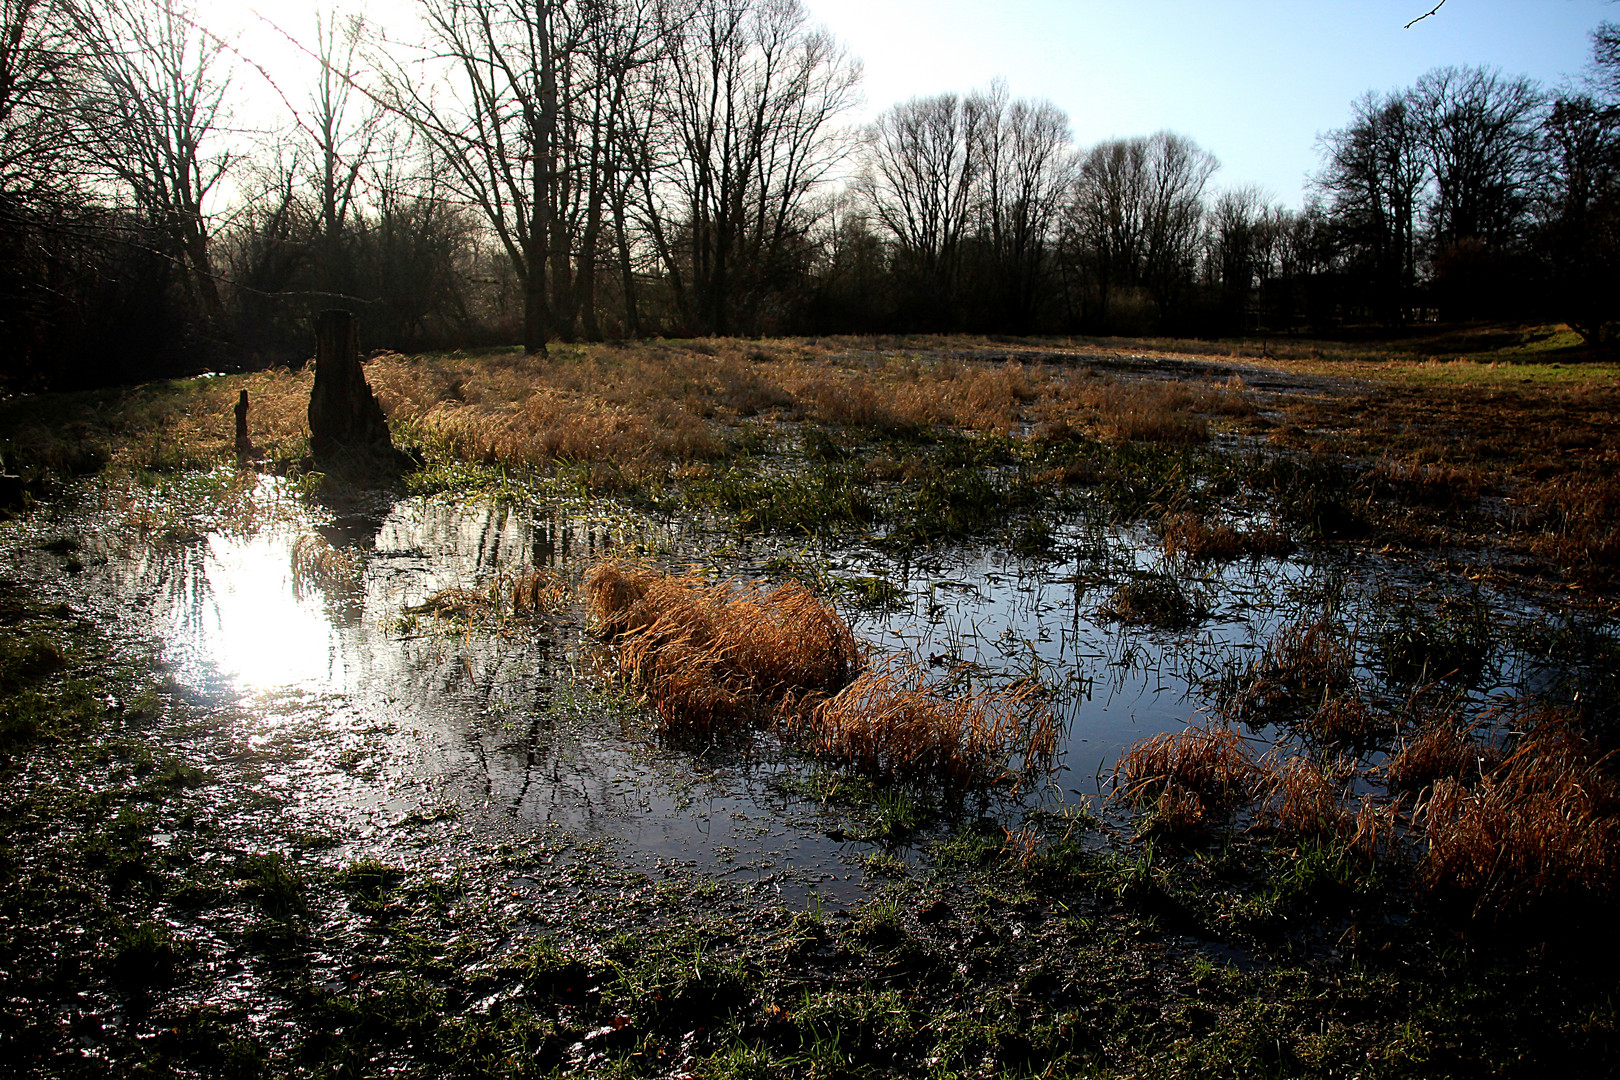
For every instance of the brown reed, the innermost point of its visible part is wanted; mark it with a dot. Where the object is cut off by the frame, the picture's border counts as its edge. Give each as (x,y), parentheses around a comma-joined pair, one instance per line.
(1537,838)
(714,658)
(1210,762)
(1347,719)
(1439,751)
(1303,800)
(894,722)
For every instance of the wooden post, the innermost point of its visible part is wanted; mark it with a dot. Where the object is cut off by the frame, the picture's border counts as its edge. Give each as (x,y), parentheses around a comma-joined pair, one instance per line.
(244,445)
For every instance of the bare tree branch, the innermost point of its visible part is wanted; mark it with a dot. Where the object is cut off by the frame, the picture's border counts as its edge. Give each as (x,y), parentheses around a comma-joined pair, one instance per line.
(1426,14)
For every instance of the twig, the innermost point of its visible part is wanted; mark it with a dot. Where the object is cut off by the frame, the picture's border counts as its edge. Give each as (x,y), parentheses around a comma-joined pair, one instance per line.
(1426,14)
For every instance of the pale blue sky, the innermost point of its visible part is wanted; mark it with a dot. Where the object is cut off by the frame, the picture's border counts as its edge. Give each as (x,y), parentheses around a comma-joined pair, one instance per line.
(1254,81)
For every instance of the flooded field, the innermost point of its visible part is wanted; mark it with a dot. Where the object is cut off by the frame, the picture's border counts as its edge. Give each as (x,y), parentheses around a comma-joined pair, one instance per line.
(354,801)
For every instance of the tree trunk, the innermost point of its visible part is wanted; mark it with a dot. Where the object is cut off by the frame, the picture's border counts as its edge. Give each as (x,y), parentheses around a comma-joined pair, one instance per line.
(632,317)
(344,417)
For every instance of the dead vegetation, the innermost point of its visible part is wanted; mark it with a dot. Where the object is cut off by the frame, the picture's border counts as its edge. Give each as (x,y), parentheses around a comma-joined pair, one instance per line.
(535,591)
(1538,835)
(716,658)
(1200,770)
(895,722)
(1153,600)
(1300,670)
(1439,750)
(647,405)
(1303,799)
(1192,536)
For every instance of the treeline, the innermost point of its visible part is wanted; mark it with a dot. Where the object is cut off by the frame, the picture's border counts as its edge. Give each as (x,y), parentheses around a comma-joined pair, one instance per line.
(544,170)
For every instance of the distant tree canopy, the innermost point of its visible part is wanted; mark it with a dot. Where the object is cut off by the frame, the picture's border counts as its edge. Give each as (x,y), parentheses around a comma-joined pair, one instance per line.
(544,170)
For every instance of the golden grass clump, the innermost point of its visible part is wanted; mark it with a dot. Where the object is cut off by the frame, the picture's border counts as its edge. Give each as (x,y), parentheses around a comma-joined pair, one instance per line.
(1304,801)
(1197,538)
(1231,398)
(1300,668)
(1579,519)
(1439,751)
(1159,412)
(716,657)
(1537,836)
(892,722)
(1212,763)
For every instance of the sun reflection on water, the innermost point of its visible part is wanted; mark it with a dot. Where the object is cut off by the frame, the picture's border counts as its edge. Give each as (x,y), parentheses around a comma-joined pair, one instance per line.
(248,621)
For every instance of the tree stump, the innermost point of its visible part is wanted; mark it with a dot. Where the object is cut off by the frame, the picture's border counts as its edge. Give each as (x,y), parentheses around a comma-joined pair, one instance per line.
(346,425)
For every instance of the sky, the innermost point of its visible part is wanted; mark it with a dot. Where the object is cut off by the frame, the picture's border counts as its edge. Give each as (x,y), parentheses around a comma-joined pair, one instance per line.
(1253,81)
(1256,82)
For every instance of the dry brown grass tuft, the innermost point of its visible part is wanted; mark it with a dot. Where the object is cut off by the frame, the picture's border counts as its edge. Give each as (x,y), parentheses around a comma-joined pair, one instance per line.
(1178,814)
(1347,720)
(540,590)
(1301,667)
(1439,751)
(1230,398)
(1579,521)
(892,722)
(1426,483)
(1303,800)
(1193,536)
(1161,412)
(1537,837)
(1377,826)
(717,657)
(1212,763)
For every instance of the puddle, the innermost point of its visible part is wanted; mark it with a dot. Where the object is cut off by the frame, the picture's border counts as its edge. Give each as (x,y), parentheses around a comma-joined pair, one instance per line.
(401,738)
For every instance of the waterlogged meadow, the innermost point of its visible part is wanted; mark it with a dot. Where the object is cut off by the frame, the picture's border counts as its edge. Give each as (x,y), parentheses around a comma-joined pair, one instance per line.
(852,707)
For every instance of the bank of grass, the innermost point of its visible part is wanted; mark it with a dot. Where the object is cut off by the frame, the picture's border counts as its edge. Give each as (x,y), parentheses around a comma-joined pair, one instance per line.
(1396,441)
(717,661)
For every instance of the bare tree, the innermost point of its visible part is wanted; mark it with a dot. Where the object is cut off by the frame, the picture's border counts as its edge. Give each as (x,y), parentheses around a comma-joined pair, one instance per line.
(1177,172)
(1580,229)
(1604,72)
(343,141)
(527,130)
(1376,176)
(753,92)
(1106,217)
(161,102)
(42,73)
(1026,172)
(920,180)
(1481,133)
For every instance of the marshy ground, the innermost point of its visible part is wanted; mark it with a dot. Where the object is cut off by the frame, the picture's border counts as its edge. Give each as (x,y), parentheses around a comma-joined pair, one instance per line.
(838,707)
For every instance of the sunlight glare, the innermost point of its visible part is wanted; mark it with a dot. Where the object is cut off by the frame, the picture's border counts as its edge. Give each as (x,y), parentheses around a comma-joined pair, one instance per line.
(253,626)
